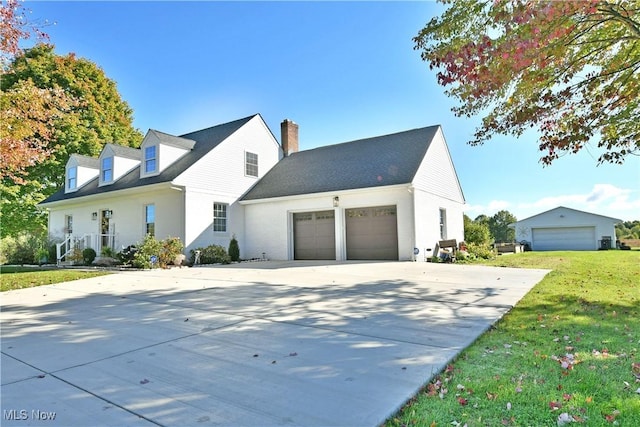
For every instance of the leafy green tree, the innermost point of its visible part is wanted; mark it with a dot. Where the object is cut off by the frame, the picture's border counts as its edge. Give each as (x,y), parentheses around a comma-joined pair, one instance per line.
(99,117)
(499,226)
(476,231)
(628,230)
(568,68)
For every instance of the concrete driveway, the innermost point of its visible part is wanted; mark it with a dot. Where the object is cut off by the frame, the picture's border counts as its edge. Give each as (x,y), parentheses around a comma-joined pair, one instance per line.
(255,344)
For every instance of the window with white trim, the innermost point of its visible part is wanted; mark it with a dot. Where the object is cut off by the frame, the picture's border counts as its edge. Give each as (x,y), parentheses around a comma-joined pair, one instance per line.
(220,217)
(150,159)
(107,169)
(150,219)
(250,164)
(443,224)
(72,178)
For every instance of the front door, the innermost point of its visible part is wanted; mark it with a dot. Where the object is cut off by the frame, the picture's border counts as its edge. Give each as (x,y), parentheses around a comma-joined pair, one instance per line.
(105,227)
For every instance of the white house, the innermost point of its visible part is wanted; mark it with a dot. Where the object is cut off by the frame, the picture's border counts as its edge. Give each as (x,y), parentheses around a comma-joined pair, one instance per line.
(389,197)
(567,229)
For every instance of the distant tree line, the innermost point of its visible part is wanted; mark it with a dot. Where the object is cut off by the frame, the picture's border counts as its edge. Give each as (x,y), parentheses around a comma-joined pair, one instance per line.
(628,230)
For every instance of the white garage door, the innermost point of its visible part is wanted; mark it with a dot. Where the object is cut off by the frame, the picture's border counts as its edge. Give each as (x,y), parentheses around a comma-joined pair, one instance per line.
(372,233)
(314,235)
(564,239)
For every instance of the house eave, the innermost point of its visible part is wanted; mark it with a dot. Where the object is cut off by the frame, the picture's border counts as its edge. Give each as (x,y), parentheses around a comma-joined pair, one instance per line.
(111,194)
(326,194)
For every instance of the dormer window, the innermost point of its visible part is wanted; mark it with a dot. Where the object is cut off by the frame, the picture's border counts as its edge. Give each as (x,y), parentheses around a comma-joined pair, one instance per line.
(107,169)
(72,178)
(150,159)
(250,164)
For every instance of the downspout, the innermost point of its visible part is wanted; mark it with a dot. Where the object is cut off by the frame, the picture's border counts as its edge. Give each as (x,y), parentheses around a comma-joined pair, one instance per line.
(411,191)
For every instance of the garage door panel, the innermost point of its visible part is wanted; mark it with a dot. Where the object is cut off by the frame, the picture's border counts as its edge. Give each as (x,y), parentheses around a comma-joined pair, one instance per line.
(372,233)
(564,238)
(314,235)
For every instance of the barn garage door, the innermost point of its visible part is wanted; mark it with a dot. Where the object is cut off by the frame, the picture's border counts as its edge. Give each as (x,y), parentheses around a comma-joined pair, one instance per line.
(314,235)
(564,239)
(372,233)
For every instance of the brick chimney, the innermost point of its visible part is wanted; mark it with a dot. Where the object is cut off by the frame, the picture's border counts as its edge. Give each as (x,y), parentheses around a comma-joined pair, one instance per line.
(289,135)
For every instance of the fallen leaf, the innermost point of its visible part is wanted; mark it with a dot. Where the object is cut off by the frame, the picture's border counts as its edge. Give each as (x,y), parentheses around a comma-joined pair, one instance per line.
(508,406)
(462,401)
(566,397)
(554,406)
(293,354)
(255,355)
(492,396)
(588,399)
(144,381)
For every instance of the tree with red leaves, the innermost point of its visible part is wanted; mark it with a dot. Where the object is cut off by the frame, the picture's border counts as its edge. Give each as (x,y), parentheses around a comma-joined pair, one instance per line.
(568,68)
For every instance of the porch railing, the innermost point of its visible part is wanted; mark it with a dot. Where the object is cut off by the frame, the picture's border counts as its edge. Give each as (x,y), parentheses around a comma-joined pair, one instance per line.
(97,242)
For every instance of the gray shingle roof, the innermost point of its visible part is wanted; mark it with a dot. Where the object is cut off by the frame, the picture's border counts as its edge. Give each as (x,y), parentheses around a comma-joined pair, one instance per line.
(174,141)
(126,152)
(372,162)
(86,161)
(206,140)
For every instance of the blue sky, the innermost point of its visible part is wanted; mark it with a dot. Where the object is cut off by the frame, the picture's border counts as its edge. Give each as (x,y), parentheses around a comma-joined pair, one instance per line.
(341,70)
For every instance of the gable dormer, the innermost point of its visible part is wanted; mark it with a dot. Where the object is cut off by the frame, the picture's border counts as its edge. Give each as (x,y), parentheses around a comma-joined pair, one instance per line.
(80,170)
(159,150)
(116,161)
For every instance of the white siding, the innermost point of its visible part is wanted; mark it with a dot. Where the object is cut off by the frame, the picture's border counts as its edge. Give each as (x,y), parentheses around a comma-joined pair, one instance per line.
(165,154)
(85,175)
(436,174)
(199,225)
(223,167)
(427,220)
(127,221)
(563,219)
(269,229)
(220,177)
(121,165)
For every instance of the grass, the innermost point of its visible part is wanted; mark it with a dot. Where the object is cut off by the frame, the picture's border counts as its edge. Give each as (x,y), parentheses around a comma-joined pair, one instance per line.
(569,351)
(27,277)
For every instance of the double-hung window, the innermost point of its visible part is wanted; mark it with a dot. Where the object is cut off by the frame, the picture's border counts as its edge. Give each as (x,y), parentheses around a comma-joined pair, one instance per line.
(150,159)
(107,169)
(220,217)
(72,178)
(250,164)
(150,219)
(443,224)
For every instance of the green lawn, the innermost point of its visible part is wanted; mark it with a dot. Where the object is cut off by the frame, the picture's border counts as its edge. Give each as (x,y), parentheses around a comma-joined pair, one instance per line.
(568,352)
(27,277)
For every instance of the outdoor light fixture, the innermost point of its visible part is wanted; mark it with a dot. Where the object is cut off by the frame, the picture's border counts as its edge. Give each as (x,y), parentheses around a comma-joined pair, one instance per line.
(94,216)
(336,201)
(107,214)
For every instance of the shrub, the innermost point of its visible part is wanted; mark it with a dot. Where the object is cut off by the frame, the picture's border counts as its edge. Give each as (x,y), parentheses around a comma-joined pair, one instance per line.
(126,255)
(213,254)
(21,249)
(234,250)
(107,252)
(484,251)
(150,247)
(88,255)
(171,248)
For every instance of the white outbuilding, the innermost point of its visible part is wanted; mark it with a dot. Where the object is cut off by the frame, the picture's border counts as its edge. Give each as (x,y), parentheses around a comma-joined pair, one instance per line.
(565,229)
